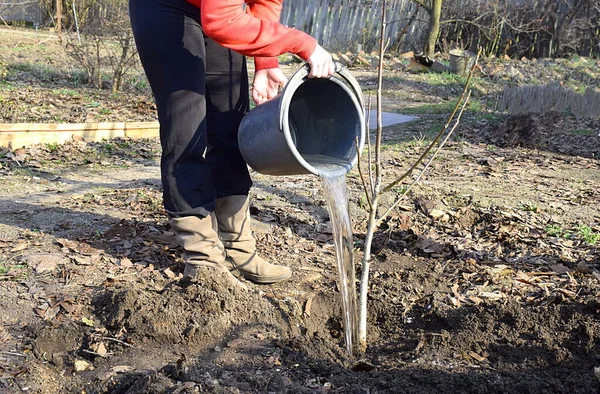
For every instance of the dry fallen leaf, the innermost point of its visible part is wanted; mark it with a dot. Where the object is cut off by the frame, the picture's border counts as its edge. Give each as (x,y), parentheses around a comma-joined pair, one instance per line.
(100,349)
(21,245)
(82,365)
(44,262)
(170,274)
(477,356)
(125,262)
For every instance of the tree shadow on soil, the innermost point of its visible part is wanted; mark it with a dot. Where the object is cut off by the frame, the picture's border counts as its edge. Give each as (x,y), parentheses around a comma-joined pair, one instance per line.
(73,218)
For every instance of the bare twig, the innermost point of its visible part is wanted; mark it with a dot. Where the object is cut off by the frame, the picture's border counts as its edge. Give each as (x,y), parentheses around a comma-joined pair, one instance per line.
(387,241)
(105,355)
(439,135)
(5,24)
(14,354)
(362,176)
(369,155)
(118,341)
(405,192)
(374,222)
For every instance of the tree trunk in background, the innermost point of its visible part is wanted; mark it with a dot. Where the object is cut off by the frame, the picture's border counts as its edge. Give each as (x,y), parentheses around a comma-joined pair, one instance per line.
(59,17)
(435,13)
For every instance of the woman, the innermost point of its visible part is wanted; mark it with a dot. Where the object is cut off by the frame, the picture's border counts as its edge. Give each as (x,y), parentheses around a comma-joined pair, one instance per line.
(193,55)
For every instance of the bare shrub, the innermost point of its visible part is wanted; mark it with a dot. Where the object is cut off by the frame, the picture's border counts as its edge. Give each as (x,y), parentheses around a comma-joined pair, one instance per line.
(540,28)
(102,42)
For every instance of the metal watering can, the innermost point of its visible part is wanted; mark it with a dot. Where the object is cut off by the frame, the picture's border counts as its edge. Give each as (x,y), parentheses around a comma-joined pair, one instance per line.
(314,126)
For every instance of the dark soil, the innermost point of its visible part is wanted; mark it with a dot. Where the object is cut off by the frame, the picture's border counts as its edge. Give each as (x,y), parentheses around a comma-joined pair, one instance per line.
(486,278)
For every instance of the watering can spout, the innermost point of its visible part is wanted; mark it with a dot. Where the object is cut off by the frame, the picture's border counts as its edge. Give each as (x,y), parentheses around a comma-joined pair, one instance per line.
(315,125)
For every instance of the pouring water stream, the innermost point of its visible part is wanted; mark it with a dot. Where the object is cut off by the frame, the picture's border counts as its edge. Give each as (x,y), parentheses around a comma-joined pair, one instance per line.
(337,201)
(336,195)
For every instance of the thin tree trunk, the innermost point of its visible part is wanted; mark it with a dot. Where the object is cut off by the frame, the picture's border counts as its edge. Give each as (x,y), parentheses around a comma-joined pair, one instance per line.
(435,15)
(59,18)
(372,226)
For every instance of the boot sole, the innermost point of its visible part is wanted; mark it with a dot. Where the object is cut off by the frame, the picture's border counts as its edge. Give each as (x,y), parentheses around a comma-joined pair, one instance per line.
(262,280)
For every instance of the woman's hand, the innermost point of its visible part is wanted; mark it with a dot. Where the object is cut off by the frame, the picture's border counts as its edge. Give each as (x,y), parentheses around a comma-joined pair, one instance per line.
(321,64)
(266,84)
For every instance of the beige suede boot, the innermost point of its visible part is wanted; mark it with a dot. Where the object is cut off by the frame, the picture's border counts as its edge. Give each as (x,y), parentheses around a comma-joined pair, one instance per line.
(202,247)
(233,216)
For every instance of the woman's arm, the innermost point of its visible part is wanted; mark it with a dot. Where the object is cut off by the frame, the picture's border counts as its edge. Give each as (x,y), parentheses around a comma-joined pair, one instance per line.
(226,22)
(269,10)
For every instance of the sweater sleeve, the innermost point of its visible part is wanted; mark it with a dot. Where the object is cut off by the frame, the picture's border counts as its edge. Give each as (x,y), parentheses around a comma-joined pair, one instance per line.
(265,10)
(257,33)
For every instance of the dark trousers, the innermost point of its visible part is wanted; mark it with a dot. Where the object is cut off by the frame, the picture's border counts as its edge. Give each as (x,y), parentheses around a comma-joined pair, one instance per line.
(201,94)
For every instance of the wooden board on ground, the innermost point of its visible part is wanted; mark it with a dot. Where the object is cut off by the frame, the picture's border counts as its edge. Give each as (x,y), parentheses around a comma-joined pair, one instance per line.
(18,135)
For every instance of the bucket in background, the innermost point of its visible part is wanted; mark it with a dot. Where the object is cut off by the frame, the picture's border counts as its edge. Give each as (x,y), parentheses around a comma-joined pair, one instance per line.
(461,61)
(313,126)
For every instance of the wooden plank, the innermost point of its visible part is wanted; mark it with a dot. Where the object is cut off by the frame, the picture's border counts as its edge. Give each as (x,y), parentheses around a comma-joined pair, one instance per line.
(141,125)
(18,135)
(58,127)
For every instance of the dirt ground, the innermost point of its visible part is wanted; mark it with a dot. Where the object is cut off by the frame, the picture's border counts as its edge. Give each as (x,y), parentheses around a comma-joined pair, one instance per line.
(486,278)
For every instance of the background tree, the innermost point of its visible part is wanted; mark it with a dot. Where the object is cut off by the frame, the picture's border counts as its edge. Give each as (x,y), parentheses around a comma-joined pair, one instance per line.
(434,9)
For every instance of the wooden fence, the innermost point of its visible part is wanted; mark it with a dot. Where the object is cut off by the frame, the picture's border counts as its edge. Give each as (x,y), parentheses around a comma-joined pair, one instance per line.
(21,10)
(354,24)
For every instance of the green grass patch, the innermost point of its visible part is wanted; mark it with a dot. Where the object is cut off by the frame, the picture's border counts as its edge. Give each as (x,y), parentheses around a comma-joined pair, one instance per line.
(586,233)
(22,48)
(400,146)
(46,73)
(40,71)
(12,272)
(528,207)
(590,236)
(139,82)
(53,147)
(23,171)
(554,230)
(446,107)
(66,92)
(93,104)
(445,79)
(492,118)
(584,132)
(6,86)
(430,109)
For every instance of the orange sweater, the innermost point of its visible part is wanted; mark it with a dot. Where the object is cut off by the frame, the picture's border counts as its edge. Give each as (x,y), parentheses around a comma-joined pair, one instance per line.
(256,32)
